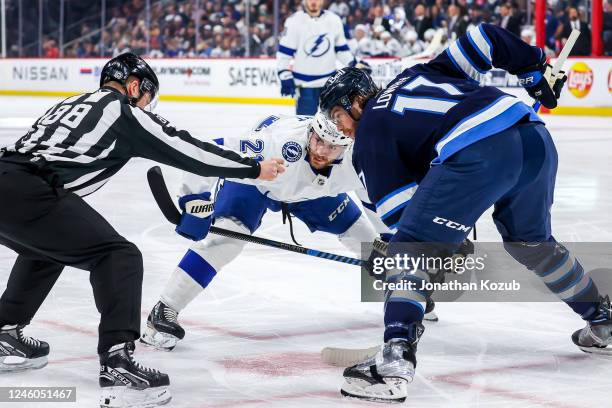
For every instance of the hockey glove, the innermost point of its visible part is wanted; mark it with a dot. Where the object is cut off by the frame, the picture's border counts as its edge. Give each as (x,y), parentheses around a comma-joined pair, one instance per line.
(197,216)
(374,263)
(539,84)
(287,84)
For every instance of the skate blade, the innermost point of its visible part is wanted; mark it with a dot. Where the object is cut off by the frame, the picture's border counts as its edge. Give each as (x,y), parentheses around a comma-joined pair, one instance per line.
(124,397)
(393,390)
(9,364)
(158,340)
(431,317)
(600,351)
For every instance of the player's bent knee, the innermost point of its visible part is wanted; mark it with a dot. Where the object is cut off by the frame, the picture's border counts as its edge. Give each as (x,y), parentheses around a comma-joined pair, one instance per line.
(536,256)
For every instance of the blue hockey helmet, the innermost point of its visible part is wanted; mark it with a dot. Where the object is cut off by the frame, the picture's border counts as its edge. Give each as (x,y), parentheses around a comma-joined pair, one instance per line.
(342,88)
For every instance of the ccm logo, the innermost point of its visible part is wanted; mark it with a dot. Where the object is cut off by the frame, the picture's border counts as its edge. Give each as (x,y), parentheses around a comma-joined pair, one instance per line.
(451,224)
(339,210)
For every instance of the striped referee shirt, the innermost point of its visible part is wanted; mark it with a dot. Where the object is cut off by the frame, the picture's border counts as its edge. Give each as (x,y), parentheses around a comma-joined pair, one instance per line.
(87,138)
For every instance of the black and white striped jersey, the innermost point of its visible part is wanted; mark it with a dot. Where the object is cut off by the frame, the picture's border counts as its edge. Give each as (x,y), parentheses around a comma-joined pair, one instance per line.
(87,138)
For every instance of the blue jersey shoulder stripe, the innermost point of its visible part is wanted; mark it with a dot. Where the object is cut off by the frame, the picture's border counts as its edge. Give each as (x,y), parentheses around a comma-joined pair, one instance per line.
(344,47)
(286,50)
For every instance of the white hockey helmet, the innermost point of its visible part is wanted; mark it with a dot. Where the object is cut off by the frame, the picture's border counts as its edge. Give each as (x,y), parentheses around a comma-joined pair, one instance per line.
(326,130)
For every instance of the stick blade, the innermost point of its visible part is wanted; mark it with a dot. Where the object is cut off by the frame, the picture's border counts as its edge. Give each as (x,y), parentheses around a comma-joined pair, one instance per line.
(161,195)
(344,357)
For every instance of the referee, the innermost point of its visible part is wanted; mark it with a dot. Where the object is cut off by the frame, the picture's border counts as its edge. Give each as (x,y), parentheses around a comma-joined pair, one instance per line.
(70,152)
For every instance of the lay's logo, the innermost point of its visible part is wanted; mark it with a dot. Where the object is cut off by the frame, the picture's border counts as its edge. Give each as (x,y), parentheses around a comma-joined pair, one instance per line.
(580,79)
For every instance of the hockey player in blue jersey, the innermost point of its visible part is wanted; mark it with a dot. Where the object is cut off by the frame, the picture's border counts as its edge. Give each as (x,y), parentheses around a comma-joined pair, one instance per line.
(468,147)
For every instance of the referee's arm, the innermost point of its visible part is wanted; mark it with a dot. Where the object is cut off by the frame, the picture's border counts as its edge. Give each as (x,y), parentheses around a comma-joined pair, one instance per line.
(154,138)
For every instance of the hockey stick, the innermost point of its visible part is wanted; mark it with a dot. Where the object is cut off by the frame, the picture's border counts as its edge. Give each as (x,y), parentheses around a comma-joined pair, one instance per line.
(552,77)
(345,357)
(172,214)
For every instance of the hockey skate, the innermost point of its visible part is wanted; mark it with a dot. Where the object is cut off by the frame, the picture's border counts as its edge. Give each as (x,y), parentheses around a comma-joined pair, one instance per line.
(163,330)
(597,335)
(19,352)
(384,377)
(430,314)
(126,383)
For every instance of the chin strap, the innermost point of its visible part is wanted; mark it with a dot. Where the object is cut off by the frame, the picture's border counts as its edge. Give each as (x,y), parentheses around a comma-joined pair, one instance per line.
(287,217)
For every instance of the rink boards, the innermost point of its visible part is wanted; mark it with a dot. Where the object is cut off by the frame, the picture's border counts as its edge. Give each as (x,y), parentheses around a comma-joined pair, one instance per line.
(254,80)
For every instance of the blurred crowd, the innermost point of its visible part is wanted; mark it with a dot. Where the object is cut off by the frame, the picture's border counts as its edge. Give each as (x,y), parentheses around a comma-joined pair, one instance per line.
(218,28)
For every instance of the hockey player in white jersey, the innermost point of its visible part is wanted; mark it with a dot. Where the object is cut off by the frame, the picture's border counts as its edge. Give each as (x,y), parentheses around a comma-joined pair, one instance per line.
(313,188)
(314,39)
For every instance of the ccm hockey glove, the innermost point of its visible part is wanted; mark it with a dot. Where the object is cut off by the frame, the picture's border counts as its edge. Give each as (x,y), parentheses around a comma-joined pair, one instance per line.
(539,84)
(197,216)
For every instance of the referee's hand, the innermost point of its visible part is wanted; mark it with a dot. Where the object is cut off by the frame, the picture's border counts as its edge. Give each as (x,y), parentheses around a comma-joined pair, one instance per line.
(270,169)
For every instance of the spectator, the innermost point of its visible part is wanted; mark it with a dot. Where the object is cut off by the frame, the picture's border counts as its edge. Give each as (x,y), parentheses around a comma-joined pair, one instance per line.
(457,23)
(377,48)
(583,44)
(340,8)
(174,22)
(391,47)
(50,49)
(508,20)
(86,50)
(551,27)
(421,22)
(528,35)
(412,44)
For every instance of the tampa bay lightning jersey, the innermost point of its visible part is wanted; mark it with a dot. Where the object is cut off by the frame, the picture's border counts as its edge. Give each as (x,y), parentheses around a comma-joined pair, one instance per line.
(314,44)
(430,111)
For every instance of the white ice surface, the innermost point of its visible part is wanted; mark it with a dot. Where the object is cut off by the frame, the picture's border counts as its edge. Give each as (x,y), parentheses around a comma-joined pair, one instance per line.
(253,338)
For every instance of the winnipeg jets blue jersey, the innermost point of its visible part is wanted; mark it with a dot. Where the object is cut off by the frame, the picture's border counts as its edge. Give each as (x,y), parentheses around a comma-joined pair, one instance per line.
(431,111)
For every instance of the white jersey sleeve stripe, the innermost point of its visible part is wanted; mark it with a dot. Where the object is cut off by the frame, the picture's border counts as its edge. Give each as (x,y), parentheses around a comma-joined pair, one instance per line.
(481,42)
(489,113)
(463,62)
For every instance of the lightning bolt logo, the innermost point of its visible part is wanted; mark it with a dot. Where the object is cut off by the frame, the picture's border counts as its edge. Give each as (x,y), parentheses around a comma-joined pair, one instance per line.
(317,42)
(319,46)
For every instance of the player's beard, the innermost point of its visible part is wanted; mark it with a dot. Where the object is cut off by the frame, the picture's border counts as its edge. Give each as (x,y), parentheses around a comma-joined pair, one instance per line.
(319,162)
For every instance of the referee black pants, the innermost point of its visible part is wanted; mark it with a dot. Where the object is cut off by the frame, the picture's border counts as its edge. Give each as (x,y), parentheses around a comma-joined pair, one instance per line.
(50,228)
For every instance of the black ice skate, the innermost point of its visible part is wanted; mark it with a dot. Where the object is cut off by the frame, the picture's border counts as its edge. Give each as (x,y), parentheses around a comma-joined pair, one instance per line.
(163,330)
(125,383)
(19,352)
(384,377)
(430,314)
(597,335)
